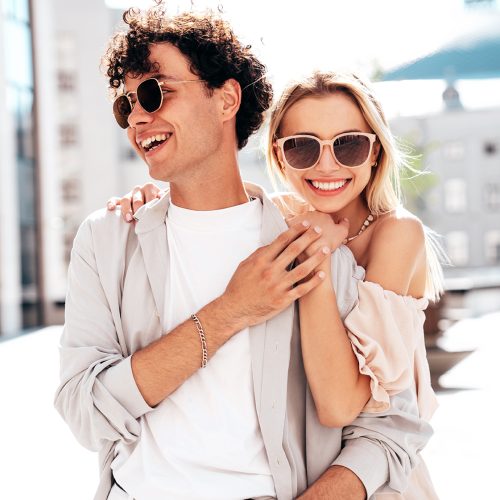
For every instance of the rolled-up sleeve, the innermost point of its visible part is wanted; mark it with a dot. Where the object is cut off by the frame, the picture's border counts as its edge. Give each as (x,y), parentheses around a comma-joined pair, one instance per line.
(97,397)
(383,448)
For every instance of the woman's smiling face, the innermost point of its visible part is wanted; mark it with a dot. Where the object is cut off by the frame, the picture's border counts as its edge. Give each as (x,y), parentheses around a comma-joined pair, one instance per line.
(329,187)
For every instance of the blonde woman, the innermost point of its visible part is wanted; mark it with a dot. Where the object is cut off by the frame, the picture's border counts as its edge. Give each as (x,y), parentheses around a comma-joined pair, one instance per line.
(330,142)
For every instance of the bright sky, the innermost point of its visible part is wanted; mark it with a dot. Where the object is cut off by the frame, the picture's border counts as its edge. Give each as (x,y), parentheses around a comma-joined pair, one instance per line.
(296,36)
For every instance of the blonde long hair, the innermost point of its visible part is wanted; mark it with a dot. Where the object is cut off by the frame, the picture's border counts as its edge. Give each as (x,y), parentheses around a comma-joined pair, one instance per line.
(383,191)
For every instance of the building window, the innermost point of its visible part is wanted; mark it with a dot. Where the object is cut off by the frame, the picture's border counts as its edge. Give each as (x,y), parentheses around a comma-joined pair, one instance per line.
(457,247)
(17,11)
(68,134)
(491,148)
(66,81)
(491,196)
(492,246)
(455,197)
(453,151)
(71,190)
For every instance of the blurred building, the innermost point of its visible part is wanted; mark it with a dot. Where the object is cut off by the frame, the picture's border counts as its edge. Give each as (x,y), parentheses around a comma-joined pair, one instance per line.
(21,252)
(59,149)
(461,149)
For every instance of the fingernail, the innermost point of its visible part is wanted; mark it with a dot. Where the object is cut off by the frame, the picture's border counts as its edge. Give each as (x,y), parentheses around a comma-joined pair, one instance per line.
(306,223)
(317,229)
(346,219)
(128,217)
(325,250)
(111,206)
(321,275)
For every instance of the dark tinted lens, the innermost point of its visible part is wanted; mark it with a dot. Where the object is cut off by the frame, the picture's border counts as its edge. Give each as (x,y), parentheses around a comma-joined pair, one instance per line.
(121,110)
(352,150)
(301,152)
(149,95)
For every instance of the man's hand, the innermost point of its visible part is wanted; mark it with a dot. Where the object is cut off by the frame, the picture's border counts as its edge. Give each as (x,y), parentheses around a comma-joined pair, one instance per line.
(134,200)
(337,483)
(264,284)
(333,234)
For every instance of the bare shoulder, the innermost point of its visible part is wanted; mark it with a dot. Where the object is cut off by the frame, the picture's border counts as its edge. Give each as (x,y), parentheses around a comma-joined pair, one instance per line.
(396,253)
(399,229)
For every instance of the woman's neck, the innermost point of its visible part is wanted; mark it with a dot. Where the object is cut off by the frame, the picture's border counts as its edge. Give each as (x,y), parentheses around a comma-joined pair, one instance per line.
(356,212)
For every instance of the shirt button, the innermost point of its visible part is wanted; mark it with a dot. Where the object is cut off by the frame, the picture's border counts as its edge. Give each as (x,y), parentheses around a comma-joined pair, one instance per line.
(277,461)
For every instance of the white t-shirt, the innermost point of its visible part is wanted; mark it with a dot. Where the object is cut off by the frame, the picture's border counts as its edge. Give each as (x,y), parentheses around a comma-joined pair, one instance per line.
(203,441)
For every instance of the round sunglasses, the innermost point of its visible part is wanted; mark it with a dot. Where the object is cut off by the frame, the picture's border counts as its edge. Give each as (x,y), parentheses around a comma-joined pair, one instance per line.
(302,152)
(149,93)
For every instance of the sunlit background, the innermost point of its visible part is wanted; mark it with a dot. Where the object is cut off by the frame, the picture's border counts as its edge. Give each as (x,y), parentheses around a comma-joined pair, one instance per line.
(436,68)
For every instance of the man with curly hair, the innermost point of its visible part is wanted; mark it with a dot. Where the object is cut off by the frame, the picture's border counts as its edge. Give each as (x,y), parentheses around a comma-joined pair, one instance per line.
(189,385)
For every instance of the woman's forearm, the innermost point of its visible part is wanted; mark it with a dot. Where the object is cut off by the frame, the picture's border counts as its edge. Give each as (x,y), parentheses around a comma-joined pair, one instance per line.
(339,390)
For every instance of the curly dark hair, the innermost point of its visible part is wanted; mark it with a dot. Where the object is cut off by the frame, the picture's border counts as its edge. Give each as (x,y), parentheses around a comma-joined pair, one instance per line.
(214,52)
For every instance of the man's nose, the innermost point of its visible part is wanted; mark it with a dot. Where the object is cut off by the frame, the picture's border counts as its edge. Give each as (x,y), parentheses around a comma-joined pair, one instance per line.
(138,116)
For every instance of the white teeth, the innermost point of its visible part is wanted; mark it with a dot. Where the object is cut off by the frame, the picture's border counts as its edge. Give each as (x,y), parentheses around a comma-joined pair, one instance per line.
(329,186)
(159,137)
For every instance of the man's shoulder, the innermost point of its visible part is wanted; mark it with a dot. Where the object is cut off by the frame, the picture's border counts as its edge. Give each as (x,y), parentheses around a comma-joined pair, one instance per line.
(107,220)
(104,228)
(105,216)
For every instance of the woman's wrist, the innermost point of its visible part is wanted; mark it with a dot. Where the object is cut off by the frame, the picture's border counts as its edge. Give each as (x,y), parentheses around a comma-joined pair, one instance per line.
(325,267)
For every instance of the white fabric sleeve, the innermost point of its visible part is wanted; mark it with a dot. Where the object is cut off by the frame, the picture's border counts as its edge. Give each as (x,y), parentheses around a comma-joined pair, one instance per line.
(383,448)
(98,397)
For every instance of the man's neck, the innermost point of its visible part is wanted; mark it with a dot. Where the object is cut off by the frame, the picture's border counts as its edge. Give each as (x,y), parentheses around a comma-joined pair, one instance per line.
(210,192)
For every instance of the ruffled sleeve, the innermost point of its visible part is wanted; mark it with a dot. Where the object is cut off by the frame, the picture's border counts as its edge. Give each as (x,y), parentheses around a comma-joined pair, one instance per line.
(386,333)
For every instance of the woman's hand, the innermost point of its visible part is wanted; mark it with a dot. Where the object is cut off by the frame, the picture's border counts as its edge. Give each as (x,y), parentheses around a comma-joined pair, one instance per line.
(135,199)
(264,284)
(332,234)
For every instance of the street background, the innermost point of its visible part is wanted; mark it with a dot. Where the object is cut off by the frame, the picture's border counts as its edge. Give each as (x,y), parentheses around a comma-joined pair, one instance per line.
(40,458)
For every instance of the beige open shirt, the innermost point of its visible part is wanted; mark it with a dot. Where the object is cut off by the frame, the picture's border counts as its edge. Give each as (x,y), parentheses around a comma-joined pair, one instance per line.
(114,307)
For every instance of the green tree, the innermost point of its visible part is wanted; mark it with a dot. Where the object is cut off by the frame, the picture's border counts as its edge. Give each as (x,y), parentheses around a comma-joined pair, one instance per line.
(416,180)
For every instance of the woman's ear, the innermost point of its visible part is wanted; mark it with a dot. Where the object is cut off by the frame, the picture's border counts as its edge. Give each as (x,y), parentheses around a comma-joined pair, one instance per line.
(230,93)
(376,152)
(279,157)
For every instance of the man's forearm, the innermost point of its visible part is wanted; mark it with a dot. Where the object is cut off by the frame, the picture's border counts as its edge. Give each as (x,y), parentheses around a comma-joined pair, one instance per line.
(336,483)
(260,288)
(161,367)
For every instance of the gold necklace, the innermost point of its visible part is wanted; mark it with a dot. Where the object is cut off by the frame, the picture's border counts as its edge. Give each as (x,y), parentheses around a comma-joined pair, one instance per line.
(369,219)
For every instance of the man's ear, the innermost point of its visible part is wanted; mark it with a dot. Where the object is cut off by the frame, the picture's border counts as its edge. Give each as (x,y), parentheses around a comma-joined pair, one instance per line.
(230,93)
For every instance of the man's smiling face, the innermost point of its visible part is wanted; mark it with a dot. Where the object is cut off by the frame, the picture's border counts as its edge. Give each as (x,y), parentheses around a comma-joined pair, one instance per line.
(187,129)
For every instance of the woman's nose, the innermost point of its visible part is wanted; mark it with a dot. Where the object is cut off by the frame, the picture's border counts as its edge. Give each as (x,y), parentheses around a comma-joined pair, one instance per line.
(327,161)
